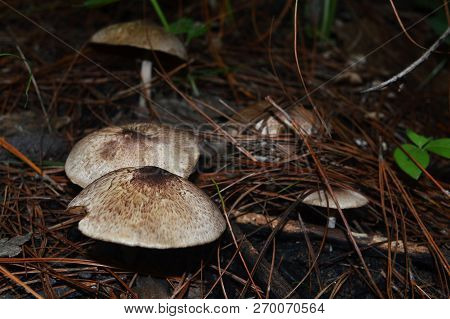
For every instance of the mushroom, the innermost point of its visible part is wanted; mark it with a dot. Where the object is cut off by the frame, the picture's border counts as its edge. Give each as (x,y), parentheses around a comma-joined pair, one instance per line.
(276,124)
(148,207)
(132,145)
(271,124)
(301,117)
(346,199)
(142,35)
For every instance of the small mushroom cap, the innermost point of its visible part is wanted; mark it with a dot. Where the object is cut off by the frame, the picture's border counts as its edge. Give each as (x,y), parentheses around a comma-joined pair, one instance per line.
(143,35)
(345,197)
(276,124)
(302,118)
(133,145)
(148,207)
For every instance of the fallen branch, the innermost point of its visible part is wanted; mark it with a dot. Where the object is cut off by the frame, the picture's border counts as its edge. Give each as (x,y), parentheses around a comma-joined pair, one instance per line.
(416,63)
(336,235)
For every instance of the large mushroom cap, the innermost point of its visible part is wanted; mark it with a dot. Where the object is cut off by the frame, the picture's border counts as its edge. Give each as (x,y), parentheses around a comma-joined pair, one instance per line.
(133,145)
(148,207)
(345,197)
(143,35)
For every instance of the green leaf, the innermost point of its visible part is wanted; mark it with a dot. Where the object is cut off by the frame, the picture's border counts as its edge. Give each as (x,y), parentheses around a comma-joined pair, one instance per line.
(98,3)
(440,147)
(407,165)
(191,28)
(417,139)
(181,26)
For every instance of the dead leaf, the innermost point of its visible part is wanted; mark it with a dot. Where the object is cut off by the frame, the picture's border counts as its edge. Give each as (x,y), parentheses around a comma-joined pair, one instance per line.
(11,247)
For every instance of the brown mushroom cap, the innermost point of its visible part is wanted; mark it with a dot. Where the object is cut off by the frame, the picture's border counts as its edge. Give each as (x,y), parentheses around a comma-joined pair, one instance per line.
(302,118)
(276,124)
(345,197)
(133,145)
(148,207)
(143,35)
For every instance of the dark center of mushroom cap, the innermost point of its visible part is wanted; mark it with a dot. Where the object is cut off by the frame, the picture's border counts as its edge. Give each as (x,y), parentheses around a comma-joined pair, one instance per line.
(129,139)
(134,134)
(131,133)
(143,132)
(151,175)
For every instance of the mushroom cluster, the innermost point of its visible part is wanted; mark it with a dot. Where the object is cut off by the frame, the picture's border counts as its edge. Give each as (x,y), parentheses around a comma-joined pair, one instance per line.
(136,189)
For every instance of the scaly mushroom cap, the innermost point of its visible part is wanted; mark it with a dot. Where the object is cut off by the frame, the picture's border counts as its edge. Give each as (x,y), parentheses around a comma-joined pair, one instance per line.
(133,145)
(276,124)
(143,35)
(346,199)
(148,207)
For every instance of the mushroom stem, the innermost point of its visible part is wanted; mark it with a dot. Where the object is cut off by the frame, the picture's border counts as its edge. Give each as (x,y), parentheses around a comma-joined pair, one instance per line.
(331,224)
(145,106)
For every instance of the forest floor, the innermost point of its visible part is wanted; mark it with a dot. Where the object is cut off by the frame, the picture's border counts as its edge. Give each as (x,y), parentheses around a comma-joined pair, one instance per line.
(245,63)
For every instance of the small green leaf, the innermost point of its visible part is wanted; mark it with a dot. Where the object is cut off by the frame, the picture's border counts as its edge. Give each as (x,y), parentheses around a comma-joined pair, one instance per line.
(417,139)
(440,147)
(407,165)
(191,28)
(181,26)
(98,3)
